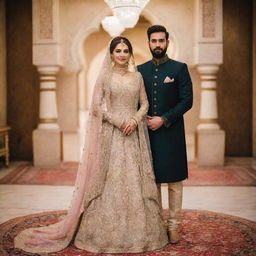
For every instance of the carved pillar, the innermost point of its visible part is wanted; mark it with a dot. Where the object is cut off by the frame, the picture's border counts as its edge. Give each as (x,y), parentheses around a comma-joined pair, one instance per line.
(208,107)
(48,114)
(209,56)
(46,56)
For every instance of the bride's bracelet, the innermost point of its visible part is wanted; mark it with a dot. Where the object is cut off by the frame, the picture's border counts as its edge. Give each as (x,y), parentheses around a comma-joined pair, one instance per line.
(135,122)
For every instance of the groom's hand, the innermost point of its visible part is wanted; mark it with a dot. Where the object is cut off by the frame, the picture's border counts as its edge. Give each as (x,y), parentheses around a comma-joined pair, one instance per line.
(154,122)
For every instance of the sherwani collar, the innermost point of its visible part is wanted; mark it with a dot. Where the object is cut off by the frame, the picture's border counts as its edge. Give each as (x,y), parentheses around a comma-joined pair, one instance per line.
(160,61)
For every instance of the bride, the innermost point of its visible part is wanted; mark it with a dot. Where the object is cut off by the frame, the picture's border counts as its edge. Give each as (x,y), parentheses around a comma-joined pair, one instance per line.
(115,206)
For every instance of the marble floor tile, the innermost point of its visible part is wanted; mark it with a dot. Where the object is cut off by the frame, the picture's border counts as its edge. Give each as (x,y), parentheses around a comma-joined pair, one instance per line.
(238,201)
(18,200)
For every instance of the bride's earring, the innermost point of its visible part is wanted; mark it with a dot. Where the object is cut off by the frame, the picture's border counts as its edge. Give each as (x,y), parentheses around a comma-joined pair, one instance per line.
(131,64)
(112,62)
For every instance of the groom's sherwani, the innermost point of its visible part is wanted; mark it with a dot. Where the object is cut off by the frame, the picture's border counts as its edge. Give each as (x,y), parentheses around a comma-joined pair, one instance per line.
(169,91)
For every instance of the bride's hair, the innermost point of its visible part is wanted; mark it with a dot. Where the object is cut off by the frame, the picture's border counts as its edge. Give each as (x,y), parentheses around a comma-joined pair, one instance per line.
(120,39)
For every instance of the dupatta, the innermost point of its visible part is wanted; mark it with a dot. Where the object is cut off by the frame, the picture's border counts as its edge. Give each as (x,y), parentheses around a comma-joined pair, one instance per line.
(57,236)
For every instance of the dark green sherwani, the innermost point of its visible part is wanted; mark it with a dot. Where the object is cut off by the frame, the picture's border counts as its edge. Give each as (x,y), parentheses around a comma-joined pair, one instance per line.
(169,100)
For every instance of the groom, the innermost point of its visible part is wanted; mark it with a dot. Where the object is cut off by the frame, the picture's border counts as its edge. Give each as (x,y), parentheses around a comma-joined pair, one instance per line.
(169,90)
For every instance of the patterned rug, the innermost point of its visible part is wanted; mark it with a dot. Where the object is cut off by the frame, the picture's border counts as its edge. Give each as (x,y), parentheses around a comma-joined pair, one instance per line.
(203,233)
(65,174)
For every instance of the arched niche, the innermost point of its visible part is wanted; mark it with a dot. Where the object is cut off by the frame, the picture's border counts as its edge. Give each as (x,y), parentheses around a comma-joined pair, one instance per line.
(87,52)
(94,48)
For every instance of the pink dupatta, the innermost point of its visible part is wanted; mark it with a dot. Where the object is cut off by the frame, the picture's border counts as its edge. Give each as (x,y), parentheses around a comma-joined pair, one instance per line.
(57,236)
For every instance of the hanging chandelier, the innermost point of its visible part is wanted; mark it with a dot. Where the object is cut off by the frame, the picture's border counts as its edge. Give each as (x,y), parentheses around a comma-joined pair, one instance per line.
(127,11)
(112,25)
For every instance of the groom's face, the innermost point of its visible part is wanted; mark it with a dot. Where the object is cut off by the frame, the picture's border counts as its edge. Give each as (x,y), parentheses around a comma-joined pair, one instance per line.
(158,44)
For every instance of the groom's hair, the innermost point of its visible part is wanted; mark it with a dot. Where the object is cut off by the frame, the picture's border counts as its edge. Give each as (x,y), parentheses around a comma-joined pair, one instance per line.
(157,28)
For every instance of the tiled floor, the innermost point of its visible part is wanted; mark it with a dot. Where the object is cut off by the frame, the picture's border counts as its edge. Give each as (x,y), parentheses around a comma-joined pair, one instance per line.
(18,200)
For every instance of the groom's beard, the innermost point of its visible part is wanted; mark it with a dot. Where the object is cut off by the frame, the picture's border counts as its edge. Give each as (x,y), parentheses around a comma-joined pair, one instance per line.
(158,52)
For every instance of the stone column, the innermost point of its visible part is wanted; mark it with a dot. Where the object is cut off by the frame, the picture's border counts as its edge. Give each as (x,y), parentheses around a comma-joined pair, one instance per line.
(47,143)
(208,107)
(208,58)
(47,136)
(48,114)
(210,137)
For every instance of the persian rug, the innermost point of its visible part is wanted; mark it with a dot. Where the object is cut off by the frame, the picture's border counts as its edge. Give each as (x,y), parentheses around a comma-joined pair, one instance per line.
(65,174)
(203,233)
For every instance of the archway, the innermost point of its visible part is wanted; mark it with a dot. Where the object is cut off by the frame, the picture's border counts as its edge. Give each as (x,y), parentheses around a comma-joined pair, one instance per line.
(88,50)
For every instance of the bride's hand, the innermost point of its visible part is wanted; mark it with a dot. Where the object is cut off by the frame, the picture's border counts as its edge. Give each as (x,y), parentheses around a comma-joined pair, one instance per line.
(122,127)
(130,127)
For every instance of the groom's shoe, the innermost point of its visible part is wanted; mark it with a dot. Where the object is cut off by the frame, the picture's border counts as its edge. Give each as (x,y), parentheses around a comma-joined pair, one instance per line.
(174,236)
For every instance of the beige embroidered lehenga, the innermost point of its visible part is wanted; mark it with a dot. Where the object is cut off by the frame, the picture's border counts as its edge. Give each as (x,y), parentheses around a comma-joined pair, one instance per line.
(120,208)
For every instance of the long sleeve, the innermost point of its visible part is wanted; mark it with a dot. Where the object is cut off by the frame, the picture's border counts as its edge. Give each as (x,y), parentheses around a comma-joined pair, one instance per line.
(185,97)
(107,115)
(143,101)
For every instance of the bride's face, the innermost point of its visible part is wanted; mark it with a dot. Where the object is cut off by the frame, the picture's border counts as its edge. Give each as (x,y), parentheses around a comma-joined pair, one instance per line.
(121,54)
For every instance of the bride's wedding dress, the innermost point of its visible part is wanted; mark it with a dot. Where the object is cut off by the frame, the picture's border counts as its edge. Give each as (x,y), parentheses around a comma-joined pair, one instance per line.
(121,208)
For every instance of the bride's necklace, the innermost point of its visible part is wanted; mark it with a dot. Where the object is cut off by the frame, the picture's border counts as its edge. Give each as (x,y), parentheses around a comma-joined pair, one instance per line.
(120,70)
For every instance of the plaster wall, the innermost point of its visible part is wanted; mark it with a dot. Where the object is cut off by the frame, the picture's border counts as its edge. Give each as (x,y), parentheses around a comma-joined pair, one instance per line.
(2,65)
(82,38)
(254,78)
(22,85)
(235,78)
